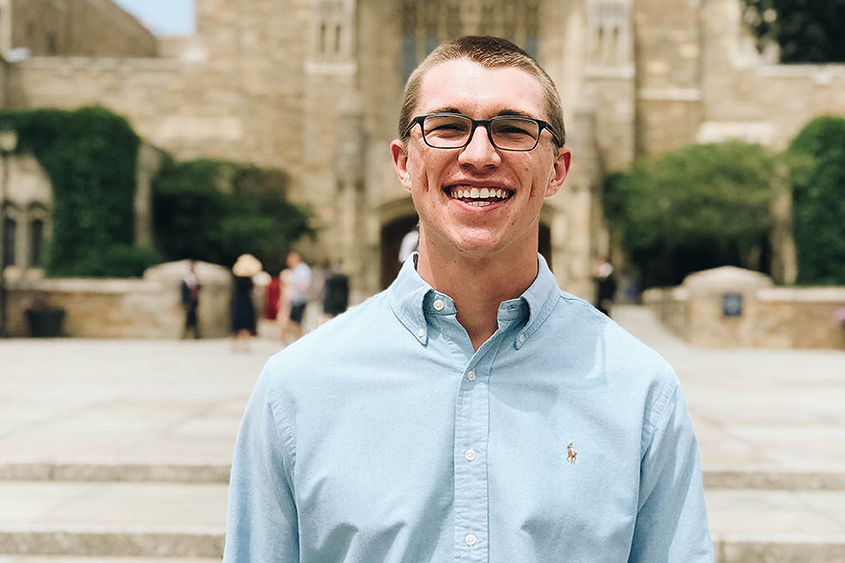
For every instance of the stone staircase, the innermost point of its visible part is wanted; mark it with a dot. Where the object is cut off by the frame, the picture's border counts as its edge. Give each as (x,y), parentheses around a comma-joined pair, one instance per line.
(160,511)
(116,450)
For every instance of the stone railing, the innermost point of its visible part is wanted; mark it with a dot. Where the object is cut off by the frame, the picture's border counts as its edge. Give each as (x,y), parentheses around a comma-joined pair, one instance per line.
(126,308)
(731,307)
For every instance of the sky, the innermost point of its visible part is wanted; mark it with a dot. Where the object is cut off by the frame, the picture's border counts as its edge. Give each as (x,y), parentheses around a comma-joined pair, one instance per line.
(163,17)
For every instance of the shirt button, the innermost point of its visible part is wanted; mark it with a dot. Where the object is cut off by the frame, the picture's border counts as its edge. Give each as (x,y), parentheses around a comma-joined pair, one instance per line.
(438,305)
(470,455)
(520,338)
(420,332)
(471,539)
(471,376)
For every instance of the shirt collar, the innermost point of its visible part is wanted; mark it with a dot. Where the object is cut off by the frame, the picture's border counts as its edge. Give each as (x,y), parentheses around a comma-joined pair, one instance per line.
(410,296)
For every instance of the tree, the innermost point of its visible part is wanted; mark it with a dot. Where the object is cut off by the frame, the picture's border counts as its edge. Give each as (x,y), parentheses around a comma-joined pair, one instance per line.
(691,209)
(818,192)
(807,31)
(215,211)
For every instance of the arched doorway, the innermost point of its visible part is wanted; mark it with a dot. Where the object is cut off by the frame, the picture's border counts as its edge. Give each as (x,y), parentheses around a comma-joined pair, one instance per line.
(392,234)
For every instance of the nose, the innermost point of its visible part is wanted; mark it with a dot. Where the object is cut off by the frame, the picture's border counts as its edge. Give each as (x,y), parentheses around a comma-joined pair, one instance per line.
(480,152)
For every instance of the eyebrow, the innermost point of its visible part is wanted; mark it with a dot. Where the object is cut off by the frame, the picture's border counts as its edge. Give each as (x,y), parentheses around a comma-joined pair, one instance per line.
(503,112)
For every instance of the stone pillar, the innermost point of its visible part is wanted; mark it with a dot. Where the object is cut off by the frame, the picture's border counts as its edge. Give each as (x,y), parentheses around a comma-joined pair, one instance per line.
(150,160)
(784,259)
(349,172)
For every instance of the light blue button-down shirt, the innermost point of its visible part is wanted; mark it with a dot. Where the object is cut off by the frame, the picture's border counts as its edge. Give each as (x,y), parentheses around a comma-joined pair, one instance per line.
(384,437)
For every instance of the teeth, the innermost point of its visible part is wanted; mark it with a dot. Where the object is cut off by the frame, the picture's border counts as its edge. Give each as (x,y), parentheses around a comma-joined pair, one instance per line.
(480,203)
(482,193)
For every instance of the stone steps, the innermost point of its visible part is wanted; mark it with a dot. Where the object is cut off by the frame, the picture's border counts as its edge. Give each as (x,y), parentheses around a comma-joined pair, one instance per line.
(112,519)
(187,520)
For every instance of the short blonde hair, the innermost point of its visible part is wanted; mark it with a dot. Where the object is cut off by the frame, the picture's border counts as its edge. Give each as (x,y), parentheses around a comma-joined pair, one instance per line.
(489,52)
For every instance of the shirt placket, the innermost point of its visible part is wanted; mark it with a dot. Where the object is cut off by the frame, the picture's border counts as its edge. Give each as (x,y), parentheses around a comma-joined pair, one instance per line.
(472,428)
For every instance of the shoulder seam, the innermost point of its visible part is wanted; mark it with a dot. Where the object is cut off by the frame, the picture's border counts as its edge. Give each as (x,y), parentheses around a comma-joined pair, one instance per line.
(660,409)
(284,427)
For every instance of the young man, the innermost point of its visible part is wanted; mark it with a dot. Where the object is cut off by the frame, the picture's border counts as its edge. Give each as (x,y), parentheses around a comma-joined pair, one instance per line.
(472,411)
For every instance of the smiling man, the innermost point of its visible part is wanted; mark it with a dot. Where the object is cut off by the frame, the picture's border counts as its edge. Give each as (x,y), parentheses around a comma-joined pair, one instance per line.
(472,411)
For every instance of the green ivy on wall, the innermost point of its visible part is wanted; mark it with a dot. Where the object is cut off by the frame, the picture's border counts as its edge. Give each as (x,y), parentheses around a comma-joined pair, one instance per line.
(90,156)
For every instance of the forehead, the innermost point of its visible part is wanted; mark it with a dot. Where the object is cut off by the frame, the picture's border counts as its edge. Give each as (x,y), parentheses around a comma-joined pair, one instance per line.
(479,92)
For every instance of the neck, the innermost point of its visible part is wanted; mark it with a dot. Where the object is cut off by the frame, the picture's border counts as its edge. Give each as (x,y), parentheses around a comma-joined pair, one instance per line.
(477,284)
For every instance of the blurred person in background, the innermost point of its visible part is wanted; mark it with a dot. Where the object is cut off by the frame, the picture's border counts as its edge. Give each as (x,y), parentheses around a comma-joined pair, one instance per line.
(335,292)
(298,287)
(243,309)
(605,286)
(190,301)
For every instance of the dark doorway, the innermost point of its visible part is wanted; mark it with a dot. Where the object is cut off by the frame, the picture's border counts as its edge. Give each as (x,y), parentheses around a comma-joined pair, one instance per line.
(391,239)
(546,244)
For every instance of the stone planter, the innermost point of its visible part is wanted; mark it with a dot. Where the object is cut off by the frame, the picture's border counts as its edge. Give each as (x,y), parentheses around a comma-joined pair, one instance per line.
(46,322)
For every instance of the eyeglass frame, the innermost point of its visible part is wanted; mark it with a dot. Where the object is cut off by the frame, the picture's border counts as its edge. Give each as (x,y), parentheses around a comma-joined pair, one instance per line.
(486,123)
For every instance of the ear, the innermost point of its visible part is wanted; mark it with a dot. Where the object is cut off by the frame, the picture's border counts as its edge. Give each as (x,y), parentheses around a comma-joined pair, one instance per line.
(400,163)
(561,169)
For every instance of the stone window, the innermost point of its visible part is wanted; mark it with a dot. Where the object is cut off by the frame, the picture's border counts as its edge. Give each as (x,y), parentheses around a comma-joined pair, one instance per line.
(409,38)
(426,23)
(610,32)
(532,28)
(338,34)
(36,243)
(10,227)
(52,44)
(432,14)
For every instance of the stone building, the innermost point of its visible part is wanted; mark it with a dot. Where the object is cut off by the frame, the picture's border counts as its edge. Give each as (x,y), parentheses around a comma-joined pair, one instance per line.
(314,87)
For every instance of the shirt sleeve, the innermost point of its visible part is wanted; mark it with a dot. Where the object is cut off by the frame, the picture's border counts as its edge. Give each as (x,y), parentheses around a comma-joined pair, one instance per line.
(671,524)
(261,521)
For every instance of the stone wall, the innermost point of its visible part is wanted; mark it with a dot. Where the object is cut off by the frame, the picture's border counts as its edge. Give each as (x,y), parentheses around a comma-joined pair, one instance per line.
(752,99)
(179,107)
(701,79)
(127,308)
(771,317)
(668,59)
(79,28)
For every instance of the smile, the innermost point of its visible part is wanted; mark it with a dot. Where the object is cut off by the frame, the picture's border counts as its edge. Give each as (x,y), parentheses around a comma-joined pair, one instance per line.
(479,197)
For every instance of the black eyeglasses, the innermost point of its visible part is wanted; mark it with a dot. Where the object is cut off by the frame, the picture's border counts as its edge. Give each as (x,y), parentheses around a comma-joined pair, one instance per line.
(506,132)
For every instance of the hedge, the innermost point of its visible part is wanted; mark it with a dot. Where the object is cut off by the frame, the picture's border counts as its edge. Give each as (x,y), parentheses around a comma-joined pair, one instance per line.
(817,155)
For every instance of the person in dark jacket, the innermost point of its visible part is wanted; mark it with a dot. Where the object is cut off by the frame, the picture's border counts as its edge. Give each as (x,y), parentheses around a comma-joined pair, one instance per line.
(335,293)
(190,301)
(605,286)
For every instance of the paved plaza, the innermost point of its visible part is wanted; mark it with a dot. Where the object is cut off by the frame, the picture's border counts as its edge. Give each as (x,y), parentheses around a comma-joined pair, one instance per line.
(111,447)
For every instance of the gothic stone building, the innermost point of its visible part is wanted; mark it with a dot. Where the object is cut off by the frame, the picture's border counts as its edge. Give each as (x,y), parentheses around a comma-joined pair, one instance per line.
(314,87)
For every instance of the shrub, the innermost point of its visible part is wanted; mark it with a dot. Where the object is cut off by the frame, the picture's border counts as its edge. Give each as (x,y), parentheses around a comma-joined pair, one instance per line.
(216,210)
(817,155)
(691,209)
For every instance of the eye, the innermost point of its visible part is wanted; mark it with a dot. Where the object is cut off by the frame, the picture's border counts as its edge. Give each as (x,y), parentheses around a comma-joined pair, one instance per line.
(515,127)
(447,125)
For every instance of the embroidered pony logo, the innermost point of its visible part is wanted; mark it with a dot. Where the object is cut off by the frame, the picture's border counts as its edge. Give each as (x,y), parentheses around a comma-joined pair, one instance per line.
(571,455)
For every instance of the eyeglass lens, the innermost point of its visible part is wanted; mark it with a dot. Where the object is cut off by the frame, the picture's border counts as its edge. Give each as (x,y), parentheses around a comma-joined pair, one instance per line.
(508,133)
